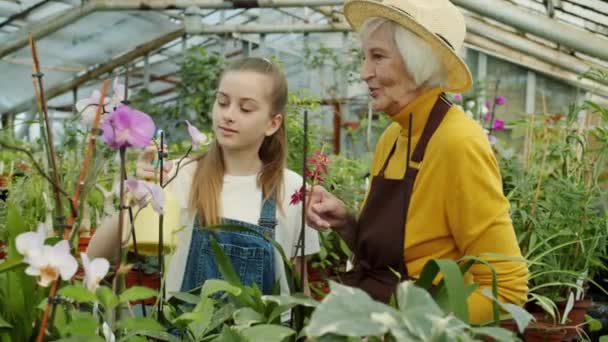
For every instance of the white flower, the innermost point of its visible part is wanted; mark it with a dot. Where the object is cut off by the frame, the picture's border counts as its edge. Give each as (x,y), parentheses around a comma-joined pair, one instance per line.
(30,244)
(470,104)
(198,139)
(88,107)
(94,271)
(107,332)
(52,262)
(118,95)
(144,193)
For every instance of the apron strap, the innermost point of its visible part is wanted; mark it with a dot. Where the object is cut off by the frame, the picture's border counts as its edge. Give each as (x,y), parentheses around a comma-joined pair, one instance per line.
(440,109)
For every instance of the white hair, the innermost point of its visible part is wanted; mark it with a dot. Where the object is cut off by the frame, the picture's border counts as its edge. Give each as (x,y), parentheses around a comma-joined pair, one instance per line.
(422,64)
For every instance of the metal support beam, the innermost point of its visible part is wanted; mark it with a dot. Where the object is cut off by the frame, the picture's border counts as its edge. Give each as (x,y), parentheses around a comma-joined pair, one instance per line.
(20,38)
(555,57)
(271,29)
(564,34)
(104,68)
(501,51)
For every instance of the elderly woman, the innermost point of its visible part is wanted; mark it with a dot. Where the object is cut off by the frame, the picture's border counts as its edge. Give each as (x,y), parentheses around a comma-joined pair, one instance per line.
(436,191)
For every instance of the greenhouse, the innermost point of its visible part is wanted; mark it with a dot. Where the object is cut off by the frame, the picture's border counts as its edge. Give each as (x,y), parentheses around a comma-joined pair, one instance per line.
(303,170)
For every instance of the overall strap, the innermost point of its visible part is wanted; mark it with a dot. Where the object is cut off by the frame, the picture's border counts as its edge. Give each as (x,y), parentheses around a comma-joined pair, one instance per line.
(268,218)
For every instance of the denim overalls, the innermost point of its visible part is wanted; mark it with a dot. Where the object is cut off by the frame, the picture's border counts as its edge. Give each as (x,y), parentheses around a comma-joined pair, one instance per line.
(251,255)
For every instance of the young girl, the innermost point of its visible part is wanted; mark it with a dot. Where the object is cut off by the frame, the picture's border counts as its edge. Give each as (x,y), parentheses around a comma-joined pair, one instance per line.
(241,180)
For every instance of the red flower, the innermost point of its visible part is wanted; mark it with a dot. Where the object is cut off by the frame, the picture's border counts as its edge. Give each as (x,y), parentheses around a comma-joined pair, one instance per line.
(297,196)
(316,174)
(320,161)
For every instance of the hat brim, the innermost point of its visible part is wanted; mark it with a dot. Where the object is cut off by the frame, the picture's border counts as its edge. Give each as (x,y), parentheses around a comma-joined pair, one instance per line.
(459,77)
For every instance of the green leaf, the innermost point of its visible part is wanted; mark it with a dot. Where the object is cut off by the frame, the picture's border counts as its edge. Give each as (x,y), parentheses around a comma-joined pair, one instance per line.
(267,333)
(228,334)
(136,339)
(156,335)
(498,334)
(594,324)
(9,265)
(84,325)
(247,317)
(77,293)
(139,323)
(213,286)
(82,339)
(450,293)
(137,293)
(412,298)
(106,297)
(4,324)
(350,311)
(604,338)
(522,317)
(186,297)
(224,264)
(295,299)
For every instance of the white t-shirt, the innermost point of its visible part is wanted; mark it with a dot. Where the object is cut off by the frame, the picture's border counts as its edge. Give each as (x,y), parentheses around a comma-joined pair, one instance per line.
(241,200)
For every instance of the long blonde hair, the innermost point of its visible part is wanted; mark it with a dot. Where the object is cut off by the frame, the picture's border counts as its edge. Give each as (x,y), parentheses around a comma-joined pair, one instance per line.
(209,175)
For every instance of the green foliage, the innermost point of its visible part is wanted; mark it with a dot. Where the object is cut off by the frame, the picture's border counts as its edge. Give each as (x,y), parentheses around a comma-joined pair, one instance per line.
(199,74)
(557,201)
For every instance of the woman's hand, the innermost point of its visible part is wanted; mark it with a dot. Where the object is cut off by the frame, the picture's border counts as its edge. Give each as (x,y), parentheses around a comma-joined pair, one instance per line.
(147,164)
(326,210)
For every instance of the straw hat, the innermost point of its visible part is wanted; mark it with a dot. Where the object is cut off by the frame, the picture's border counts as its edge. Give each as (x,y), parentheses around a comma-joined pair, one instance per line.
(438,22)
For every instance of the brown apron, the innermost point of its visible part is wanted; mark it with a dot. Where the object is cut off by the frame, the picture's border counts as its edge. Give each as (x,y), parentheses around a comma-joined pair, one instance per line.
(382,223)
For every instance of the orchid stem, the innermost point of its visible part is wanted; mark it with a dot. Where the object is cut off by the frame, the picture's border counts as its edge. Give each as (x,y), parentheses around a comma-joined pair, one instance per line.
(176,168)
(123,175)
(161,220)
(139,282)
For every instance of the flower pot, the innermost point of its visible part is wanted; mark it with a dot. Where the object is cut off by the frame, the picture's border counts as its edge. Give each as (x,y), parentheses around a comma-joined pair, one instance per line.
(83,244)
(576,316)
(138,278)
(508,324)
(544,330)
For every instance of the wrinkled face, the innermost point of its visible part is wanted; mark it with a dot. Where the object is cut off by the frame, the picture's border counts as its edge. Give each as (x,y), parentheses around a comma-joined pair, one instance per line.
(242,111)
(384,72)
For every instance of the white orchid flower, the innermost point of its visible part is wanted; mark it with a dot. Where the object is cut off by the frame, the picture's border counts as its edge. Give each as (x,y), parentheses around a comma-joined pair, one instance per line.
(143,193)
(51,263)
(94,271)
(88,107)
(30,244)
(107,332)
(198,138)
(470,104)
(118,95)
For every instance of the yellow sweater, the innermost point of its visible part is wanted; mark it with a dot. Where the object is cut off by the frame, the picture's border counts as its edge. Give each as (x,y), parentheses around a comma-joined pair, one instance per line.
(458,207)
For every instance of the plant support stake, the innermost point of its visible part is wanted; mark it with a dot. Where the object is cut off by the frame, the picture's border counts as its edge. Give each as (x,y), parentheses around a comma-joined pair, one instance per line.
(39,90)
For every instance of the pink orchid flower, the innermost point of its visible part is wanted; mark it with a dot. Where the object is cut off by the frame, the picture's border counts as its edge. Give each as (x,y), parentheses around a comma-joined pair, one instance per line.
(144,193)
(198,138)
(126,127)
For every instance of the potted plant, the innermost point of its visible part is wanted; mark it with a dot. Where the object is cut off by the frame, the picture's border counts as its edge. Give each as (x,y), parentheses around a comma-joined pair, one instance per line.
(556,202)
